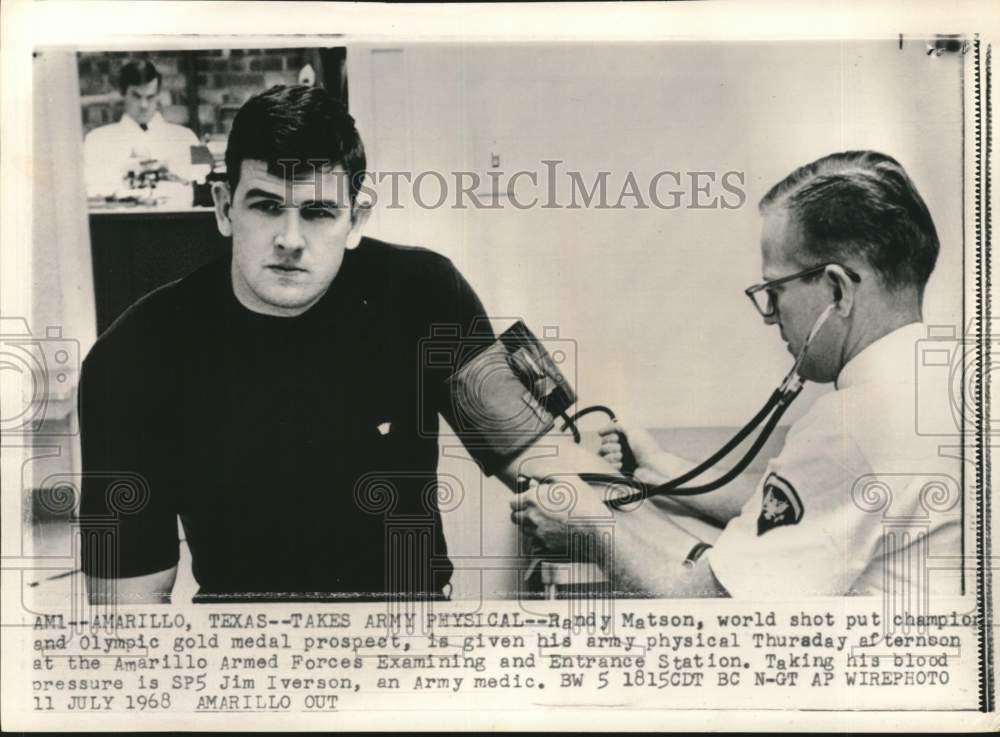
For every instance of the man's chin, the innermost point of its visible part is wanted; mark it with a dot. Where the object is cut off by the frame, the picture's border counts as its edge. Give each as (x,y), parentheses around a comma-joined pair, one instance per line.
(817,373)
(290,298)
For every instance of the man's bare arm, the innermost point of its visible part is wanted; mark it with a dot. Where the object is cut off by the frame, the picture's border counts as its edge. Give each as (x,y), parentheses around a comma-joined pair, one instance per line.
(648,556)
(553,455)
(153,588)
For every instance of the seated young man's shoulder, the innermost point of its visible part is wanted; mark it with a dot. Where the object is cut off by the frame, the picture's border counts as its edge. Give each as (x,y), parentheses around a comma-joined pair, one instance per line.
(415,260)
(168,310)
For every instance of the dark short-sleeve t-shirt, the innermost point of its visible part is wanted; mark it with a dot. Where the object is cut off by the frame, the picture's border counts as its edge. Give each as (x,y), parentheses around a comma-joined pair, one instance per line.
(300,453)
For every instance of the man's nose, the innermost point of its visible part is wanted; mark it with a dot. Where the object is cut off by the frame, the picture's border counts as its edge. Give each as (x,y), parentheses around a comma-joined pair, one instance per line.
(289,236)
(771,319)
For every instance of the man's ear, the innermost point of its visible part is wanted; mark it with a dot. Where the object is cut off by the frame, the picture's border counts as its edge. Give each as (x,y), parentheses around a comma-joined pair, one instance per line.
(360,213)
(843,288)
(222,198)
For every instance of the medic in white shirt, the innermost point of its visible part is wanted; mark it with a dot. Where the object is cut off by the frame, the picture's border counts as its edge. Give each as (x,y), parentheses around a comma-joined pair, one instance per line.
(857,501)
(141,139)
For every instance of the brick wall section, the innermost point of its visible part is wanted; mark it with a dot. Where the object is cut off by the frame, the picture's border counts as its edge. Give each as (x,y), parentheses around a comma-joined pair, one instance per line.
(225,78)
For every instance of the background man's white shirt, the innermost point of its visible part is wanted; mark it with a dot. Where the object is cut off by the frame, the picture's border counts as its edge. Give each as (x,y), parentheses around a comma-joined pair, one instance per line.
(857,501)
(108,149)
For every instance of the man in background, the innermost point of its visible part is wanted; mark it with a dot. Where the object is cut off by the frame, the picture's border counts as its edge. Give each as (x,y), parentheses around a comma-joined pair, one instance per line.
(141,140)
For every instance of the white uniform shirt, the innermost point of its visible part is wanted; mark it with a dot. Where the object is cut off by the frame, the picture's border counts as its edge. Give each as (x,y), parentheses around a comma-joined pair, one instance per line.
(858,501)
(107,151)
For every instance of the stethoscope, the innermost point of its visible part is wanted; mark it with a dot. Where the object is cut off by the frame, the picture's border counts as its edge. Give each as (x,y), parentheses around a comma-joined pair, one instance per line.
(772,411)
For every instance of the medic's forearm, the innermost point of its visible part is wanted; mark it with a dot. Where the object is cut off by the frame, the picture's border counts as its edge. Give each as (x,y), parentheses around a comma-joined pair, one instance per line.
(663,467)
(558,456)
(720,505)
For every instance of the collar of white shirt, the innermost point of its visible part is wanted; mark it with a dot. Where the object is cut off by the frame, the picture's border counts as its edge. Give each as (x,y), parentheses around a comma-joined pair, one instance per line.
(155,122)
(884,359)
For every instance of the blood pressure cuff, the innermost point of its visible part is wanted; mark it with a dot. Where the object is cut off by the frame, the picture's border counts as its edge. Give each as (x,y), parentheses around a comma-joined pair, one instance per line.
(507,397)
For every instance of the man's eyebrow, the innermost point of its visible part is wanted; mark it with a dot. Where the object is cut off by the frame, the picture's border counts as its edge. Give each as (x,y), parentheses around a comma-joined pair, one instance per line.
(263,193)
(256,192)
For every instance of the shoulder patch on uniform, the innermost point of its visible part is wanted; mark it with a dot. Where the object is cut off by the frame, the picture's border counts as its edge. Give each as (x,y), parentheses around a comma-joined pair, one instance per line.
(781,505)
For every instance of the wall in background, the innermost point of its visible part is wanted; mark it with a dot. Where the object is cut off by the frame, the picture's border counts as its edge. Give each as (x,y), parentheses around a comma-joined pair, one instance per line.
(652,299)
(58,285)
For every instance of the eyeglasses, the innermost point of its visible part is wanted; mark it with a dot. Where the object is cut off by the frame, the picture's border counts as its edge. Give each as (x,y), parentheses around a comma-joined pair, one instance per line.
(766,301)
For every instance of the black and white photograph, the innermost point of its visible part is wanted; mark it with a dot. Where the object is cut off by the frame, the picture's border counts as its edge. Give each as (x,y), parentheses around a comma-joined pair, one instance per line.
(375,367)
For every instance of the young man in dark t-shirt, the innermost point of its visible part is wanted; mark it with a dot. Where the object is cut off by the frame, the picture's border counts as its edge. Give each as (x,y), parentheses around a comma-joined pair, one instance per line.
(277,401)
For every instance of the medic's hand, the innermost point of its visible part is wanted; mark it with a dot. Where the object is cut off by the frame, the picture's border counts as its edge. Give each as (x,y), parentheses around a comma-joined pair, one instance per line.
(558,514)
(644,448)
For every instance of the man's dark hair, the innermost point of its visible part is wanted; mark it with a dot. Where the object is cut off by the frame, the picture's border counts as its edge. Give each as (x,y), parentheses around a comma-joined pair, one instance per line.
(299,124)
(863,204)
(138,73)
